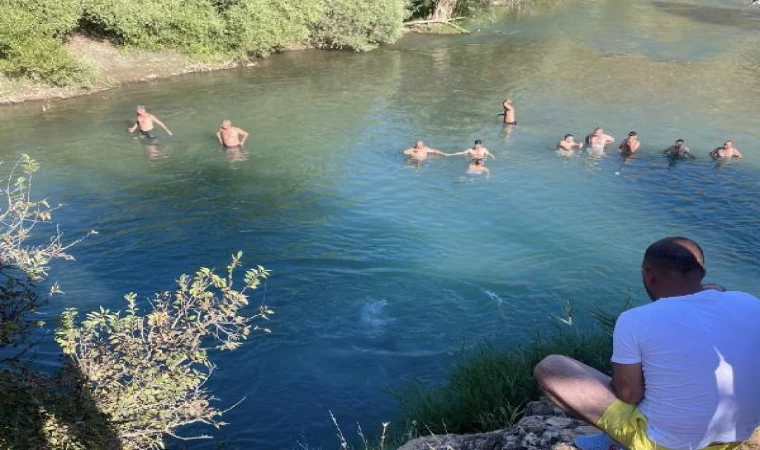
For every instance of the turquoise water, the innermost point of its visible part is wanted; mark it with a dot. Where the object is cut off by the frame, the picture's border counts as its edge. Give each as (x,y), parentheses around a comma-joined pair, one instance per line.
(381,273)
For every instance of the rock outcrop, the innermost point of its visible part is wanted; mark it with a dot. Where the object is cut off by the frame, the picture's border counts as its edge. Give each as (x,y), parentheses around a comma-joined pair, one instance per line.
(543,427)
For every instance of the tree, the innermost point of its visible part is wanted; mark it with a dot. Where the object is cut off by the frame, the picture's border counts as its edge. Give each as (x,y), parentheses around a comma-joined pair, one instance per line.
(147,373)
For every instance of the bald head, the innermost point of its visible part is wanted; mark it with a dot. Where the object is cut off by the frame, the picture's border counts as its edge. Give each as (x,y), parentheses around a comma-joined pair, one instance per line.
(673,266)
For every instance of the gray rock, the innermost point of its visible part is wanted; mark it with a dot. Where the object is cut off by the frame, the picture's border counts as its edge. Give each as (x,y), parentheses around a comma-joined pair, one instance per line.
(549,430)
(532,424)
(531,440)
(561,422)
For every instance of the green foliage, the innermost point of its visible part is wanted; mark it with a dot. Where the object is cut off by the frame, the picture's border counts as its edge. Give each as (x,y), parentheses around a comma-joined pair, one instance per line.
(262,26)
(488,388)
(55,18)
(41,412)
(359,24)
(147,372)
(22,264)
(27,51)
(192,26)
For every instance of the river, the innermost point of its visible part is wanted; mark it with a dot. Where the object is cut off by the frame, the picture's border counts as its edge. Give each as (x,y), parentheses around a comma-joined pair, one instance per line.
(381,273)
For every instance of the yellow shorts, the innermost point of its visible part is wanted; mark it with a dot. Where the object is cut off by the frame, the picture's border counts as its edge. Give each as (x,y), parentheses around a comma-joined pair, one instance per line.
(627,425)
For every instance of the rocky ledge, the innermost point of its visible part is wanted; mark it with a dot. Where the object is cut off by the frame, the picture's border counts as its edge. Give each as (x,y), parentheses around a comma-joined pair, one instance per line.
(543,427)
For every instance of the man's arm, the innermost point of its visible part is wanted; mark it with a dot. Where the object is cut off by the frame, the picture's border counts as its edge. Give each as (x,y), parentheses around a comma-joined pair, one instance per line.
(161,124)
(243,133)
(437,152)
(464,152)
(133,128)
(489,154)
(219,135)
(609,138)
(628,382)
(738,154)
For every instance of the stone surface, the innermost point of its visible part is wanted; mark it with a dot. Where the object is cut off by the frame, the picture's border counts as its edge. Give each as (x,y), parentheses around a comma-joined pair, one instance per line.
(543,427)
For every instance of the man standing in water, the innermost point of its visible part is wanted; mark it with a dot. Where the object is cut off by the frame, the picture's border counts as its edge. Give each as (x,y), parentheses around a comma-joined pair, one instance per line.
(597,140)
(726,151)
(679,150)
(510,116)
(567,145)
(630,144)
(230,137)
(144,124)
(419,152)
(477,151)
(684,368)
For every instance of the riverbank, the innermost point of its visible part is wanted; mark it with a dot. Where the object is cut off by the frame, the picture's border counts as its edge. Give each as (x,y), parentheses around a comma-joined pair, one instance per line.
(112,68)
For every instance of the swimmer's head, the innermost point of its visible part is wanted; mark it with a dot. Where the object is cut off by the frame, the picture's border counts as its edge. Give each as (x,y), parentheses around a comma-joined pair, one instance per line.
(569,137)
(633,134)
(140,109)
(679,143)
(419,144)
(478,143)
(226,124)
(507,102)
(728,144)
(598,131)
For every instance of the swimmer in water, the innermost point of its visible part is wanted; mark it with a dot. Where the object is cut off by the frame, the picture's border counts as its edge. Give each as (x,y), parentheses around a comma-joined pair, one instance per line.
(231,137)
(477,151)
(477,167)
(144,124)
(597,140)
(567,146)
(679,150)
(726,151)
(630,144)
(419,152)
(510,116)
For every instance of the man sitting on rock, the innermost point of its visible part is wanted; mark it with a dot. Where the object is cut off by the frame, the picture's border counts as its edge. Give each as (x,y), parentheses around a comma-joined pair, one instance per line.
(686,368)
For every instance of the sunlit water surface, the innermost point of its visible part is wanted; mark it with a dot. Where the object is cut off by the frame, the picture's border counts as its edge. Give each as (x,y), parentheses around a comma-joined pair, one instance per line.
(381,272)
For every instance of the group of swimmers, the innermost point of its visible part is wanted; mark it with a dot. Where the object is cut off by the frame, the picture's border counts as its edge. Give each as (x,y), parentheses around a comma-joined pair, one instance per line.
(596,143)
(233,140)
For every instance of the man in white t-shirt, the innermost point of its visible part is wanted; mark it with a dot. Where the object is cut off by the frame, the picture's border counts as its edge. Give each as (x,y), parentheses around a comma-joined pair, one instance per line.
(686,368)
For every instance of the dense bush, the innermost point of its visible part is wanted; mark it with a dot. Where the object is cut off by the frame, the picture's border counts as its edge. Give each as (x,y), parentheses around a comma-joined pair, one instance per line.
(193,26)
(488,388)
(262,26)
(359,24)
(54,18)
(25,51)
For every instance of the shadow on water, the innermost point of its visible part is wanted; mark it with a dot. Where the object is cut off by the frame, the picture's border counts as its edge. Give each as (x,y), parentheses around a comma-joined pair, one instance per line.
(746,18)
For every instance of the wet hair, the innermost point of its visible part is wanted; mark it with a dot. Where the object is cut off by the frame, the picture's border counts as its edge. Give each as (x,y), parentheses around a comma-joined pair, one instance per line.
(633,133)
(680,141)
(568,135)
(596,129)
(676,254)
(478,142)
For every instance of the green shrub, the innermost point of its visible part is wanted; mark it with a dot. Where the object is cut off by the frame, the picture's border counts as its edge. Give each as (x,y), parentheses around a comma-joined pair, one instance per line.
(262,26)
(26,52)
(54,18)
(191,26)
(360,24)
(488,388)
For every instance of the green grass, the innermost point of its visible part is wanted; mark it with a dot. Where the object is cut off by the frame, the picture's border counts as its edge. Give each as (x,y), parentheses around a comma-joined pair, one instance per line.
(488,388)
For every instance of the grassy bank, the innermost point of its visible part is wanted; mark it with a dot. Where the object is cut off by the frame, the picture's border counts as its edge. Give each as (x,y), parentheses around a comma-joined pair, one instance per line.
(489,387)
(34,33)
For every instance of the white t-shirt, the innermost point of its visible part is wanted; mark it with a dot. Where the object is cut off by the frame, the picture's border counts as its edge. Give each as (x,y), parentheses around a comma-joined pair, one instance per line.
(701,359)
